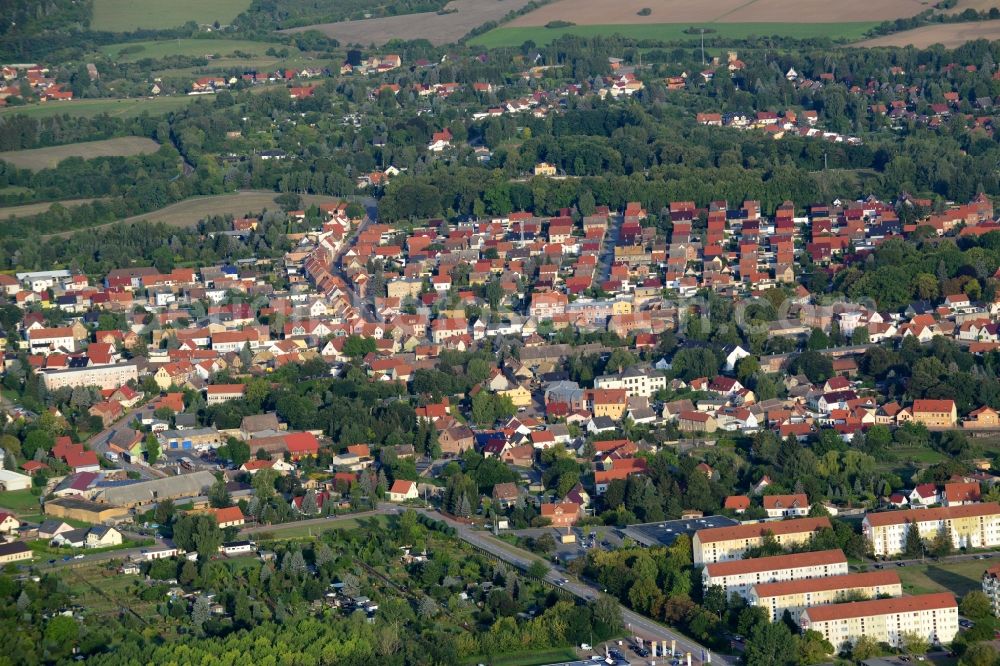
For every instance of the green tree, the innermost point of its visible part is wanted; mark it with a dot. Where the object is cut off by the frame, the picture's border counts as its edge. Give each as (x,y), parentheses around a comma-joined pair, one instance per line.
(770,644)
(976,605)
(914,642)
(218,495)
(153,450)
(980,654)
(865,648)
(537,569)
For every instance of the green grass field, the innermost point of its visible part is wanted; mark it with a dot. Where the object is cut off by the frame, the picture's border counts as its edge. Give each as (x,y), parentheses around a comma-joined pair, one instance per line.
(295,531)
(125,15)
(88,108)
(184,47)
(19,501)
(503,37)
(528,658)
(958,577)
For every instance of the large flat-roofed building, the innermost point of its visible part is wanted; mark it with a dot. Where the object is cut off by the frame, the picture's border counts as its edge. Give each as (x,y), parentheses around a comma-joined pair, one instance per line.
(934,617)
(971,526)
(102,376)
(795,596)
(739,576)
(721,544)
(84,510)
(157,490)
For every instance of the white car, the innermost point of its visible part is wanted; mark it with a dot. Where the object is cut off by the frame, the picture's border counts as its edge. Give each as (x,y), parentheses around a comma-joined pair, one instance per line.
(78,557)
(585,646)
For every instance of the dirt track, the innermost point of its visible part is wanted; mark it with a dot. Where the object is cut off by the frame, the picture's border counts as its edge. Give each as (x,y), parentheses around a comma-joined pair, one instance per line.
(436,28)
(601,12)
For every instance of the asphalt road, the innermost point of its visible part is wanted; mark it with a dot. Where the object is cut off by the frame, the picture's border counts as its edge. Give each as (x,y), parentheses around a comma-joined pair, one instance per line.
(637,625)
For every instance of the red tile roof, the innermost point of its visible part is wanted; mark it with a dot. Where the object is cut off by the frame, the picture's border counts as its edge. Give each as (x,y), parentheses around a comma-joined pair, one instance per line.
(756,530)
(846,581)
(940,513)
(920,602)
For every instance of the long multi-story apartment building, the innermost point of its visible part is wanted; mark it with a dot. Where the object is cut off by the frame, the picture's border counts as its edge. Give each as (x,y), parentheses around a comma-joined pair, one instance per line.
(719,544)
(102,376)
(934,617)
(740,576)
(971,526)
(795,596)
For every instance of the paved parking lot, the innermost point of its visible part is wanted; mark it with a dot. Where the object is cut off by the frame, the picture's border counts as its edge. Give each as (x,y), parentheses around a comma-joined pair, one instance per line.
(666,532)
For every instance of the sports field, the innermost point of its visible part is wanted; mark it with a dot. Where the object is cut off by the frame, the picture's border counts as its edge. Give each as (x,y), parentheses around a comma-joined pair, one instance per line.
(714,32)
(87,108)
(46,158)
(132,51)
(125,15)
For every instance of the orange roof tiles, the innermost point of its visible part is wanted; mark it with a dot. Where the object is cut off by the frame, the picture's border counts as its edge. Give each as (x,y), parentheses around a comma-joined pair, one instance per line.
(756,530)
(920,602)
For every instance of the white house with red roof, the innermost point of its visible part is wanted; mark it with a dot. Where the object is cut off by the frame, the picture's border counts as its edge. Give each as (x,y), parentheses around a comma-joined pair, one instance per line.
(403,490)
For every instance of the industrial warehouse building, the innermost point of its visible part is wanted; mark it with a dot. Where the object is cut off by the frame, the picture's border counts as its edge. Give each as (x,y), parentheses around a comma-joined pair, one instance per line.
(157,490)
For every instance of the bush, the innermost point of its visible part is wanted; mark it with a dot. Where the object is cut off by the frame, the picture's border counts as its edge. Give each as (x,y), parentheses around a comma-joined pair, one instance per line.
(559,24)
(645,11)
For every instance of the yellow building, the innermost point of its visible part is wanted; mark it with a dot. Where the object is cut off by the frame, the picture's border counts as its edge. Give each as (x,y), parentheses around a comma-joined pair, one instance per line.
(621,307)
(14,552)
(545,169)
(971,526)
(520,396)
(933,617)
(607,402)
(935,413)
(719,544)
(795,596)
(739,576)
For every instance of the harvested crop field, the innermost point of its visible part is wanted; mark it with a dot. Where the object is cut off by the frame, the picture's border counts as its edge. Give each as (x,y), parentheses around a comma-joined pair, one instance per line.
(189,212)
(948,34)
(36,208)
(601,12)
(125,15)
(459,18)
(88,108)
(720,35)
(45,158)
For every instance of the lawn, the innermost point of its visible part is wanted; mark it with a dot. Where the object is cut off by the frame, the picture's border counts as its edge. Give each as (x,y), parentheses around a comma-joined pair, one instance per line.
(185,47)
(507,37)
(125,15)
(19,501)
(87,108)
(296,531)
(527,658)
(956,577)
(47,158)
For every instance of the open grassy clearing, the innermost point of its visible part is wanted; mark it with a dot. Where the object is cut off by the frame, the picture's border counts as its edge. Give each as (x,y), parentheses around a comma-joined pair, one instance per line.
(948,34)
(187,213)
(125,15)
(19,501)
(88,108)
(46,158)
(515,36)
(527,658)
(958,577)
(294,531)
(36,208)
(601,12)
(461,17)
(184,47)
